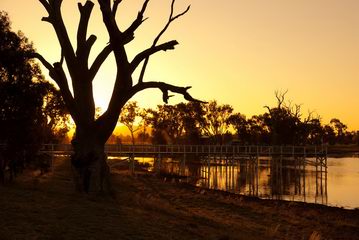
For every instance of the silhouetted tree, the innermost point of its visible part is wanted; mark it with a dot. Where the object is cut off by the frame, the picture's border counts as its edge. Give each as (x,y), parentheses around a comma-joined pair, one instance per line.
(129,114)
(339,129)
(258,130)
(215,120)
(315,131)
(329,135)
(240,124)
(89,159)
(285,124)
(31,109)
(166,125)
(190,114)
(175,123)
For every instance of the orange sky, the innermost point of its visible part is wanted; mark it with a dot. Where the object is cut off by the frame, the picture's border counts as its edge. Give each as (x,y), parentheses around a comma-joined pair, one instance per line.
(236,51)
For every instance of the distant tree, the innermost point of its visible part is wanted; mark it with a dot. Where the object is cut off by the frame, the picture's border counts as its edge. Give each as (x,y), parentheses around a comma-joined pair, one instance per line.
(190,114)
(89,159)
(240,124)
(215,120)
(129,115)
(258,130)
(285,124)
(339,128)
(315,131)
(166,124)
(175,123)
(56,123)
(329,135)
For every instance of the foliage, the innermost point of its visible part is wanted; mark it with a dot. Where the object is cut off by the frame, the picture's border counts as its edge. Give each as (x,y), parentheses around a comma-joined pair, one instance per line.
(175,123)
(32,110)
(129,114)
(215,120)
(280,125)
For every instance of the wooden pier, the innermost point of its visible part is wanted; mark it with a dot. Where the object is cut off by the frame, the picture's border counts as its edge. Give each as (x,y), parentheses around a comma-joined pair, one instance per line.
(240,163)
(243,151)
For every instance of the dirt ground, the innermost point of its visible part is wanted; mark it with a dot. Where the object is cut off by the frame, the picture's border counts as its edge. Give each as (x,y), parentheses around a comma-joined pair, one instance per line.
(147,207)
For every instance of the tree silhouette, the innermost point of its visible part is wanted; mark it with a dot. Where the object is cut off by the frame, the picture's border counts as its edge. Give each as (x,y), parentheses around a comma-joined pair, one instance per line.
(130,112)
(215,120)
(240,124)
(175,124)
(166,124)
(31,109)
(89,159)
(339,129)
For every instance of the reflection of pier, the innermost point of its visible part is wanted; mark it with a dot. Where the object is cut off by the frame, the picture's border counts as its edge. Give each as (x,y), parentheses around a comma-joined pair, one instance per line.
(291,173)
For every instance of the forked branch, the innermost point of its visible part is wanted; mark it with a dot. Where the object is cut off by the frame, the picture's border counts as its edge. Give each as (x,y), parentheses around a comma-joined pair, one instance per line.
(99,60)
(53,8)
(148,52)
(171,19)
(165,88)
(115,6)
(84,45)
(129,33)
(57,73)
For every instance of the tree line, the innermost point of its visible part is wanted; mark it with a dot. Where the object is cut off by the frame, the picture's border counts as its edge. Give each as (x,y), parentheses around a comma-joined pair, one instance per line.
(214,123)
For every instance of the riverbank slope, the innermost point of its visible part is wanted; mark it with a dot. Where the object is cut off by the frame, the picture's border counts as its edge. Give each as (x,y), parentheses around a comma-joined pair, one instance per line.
(146,207)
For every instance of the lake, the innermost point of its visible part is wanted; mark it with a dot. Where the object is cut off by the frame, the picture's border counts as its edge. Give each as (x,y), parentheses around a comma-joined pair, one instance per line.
(338,186)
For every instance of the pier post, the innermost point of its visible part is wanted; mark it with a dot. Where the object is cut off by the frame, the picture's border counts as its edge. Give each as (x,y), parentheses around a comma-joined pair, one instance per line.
(52,157)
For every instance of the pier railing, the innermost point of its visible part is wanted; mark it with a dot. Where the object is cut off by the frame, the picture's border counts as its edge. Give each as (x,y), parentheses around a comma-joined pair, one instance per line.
(250,150)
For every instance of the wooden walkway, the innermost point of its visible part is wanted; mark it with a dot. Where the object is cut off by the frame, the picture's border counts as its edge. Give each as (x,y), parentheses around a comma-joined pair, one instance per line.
(281,156)
(144,150)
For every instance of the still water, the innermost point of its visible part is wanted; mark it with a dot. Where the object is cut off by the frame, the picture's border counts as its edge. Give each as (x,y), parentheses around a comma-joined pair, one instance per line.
(338,186)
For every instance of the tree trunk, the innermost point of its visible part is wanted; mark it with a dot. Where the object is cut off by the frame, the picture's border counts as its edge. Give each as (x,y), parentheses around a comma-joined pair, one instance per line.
(132,137)
(90,168)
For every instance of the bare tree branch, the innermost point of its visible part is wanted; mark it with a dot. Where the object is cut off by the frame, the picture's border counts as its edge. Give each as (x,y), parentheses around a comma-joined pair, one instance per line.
(115,6)
(165,88)
(269,109)
(84,45)
(109,20)
(41,59)
(123,75)
(280,97)
(155,41)
(57,73)
(46,5)
(99,61)
(129,32)
(53,8)
(85,13)
(146,53)
(109,118)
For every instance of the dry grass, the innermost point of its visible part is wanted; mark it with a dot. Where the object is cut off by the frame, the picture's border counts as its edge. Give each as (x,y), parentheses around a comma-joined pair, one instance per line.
(145,207)
(315,236)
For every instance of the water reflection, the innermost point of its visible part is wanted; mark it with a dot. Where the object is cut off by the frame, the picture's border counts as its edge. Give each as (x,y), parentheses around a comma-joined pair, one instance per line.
(268,178)
(264,177)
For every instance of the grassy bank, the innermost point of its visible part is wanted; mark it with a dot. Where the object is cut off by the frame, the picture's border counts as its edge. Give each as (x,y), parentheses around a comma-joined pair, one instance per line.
(145,207)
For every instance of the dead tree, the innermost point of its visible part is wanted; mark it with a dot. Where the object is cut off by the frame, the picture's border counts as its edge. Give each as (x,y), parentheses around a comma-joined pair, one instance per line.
(89,159)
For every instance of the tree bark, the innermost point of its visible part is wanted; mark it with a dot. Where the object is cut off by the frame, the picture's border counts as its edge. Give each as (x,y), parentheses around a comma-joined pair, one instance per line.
(90,168)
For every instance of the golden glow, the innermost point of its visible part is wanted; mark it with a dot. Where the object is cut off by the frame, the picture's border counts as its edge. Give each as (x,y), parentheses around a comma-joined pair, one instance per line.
(236,51)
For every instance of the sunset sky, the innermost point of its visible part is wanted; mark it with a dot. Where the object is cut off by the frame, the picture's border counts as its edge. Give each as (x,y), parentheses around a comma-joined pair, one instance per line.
(235,51)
